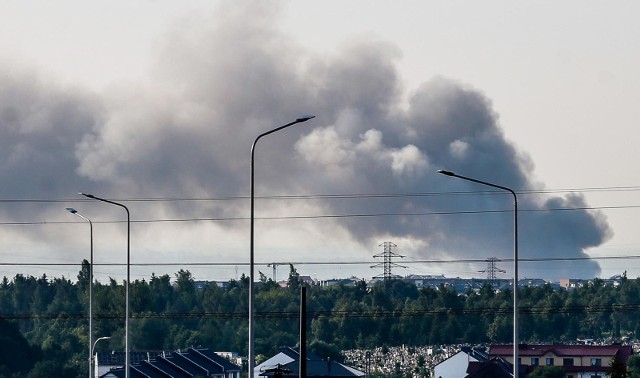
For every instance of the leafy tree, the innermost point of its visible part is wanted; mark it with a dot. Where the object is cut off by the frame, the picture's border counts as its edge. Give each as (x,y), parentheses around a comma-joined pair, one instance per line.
(185,298)
(500,329)
(16,355)
(161,292)
(617,368)
(140,296)
(548,372)
(294,282)
(51,368)
(326,350)
(150,333)
(633,365)
(84,276)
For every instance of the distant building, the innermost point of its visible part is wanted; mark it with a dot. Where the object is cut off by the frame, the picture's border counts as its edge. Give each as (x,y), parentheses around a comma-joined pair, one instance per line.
(425,280)
(201,285)
(614,280)
(531,282)
(460,285)
(573,283)
(351,281)
(308,280)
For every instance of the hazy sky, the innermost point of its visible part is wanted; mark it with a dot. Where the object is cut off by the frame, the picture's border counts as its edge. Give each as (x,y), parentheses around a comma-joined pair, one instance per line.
(160,101)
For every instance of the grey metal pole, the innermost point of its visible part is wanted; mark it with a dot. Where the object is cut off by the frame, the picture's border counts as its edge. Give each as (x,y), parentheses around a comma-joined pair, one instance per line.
(302,369)
(126,315)
(94,348)
(251,351)
(75,212)
(516,364)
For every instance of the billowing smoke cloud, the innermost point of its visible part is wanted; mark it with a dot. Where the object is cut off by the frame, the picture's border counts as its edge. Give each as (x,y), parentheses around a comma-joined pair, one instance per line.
(220,82)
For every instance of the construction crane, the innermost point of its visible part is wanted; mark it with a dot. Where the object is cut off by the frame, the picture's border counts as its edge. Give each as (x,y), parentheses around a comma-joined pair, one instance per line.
(275,269)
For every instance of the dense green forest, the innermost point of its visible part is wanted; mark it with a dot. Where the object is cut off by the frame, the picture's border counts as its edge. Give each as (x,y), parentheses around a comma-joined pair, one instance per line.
(44,321)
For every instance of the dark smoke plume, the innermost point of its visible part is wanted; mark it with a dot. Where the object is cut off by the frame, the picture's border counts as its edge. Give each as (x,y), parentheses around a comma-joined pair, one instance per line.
(220,82)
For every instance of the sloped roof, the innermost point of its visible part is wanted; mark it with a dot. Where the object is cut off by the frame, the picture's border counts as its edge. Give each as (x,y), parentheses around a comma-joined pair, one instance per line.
(186,364)
(489,369)
(476,354)
(284,356)
(496,367)
(118,358)
(288,359)
(318,368)
(147,369)
(134,373)
(279,359)
(295,353)
(479,354)
(166,366)
(178,364)
(208,360)
(562,350)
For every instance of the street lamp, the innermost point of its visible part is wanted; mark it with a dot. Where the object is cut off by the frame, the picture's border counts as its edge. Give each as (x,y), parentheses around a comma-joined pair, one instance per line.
(126,295)
(93,348)
(516,364)
(75,212)
(251,254)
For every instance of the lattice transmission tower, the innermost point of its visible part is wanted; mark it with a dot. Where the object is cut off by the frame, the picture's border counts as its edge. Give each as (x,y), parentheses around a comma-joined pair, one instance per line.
(387,254)
(492,269)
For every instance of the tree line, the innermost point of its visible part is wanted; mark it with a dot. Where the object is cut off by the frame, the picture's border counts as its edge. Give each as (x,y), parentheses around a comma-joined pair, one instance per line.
(45,321)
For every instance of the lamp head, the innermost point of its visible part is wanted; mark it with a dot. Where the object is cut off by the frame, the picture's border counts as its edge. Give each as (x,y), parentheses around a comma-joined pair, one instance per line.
(305,118)
(446,173)
(87,195)
(72,210)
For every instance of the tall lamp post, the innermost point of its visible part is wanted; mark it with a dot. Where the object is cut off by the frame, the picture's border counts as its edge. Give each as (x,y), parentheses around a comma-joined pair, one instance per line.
(93,348)
(126,315)
(75,212)
(251,351)
(516,364)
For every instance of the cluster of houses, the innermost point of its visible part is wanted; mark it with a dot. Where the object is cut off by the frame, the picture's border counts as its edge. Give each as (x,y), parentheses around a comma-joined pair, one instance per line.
(496,361)
(192,362)
(199,362)
(577,361)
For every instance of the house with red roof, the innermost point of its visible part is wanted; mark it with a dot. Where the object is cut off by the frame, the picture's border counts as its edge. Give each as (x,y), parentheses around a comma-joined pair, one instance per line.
(578,361)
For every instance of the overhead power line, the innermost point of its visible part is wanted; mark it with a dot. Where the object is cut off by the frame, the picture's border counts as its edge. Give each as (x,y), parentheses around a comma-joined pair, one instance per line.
(362,262)
(330,197)
(328,216)
(377,313)
(335,196)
